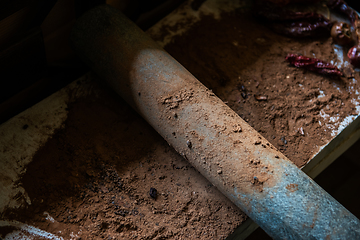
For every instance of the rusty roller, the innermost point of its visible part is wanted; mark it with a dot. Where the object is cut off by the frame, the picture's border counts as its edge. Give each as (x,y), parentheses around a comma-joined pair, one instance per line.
(242,164)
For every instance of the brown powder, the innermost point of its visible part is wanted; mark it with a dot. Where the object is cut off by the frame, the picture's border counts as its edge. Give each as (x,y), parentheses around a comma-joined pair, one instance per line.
(94,178)
(243,62)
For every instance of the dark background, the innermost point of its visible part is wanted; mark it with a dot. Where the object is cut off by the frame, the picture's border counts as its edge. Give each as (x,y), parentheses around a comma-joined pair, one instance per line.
(36,59)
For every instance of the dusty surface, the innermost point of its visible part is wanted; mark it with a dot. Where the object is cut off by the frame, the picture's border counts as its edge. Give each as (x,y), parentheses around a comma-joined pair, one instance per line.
(92,180)
(243,62)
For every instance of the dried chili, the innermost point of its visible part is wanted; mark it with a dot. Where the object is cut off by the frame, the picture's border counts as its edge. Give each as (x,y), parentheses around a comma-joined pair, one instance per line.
(275,13)
(341,6)
(354,56)
(313,64)
(318,28)
(293,24)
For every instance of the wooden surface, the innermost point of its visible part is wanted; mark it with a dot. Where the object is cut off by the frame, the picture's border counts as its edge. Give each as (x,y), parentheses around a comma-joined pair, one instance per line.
(49,115)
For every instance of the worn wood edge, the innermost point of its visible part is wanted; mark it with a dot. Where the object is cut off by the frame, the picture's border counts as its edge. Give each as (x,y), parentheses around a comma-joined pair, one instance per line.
(22,135)
(330,152)
(244,230)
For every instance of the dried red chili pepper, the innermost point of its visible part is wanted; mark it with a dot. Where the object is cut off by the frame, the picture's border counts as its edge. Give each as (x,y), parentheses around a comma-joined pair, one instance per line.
(293,24)
(275,13)
(319,27)
(286,2)
(313,64)
(341,6)
(354,56)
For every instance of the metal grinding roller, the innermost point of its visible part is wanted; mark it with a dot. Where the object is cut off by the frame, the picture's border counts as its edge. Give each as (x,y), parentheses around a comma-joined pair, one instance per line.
(242,164)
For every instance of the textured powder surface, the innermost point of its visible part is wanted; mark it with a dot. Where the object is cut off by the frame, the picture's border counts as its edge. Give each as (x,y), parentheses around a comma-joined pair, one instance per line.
(243,62)
(92,179)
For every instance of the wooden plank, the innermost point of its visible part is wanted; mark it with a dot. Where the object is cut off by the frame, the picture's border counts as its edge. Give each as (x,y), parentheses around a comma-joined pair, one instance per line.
(333,149)
(244,230)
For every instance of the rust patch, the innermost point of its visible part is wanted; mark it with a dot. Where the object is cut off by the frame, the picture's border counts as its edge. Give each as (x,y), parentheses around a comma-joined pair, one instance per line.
(292,187)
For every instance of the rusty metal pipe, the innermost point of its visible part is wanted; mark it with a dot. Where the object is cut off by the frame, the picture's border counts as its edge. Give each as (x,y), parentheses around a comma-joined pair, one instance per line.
(241,163)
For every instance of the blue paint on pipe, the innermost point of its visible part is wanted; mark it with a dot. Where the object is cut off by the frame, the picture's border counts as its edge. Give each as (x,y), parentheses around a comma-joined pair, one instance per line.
(297,208)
